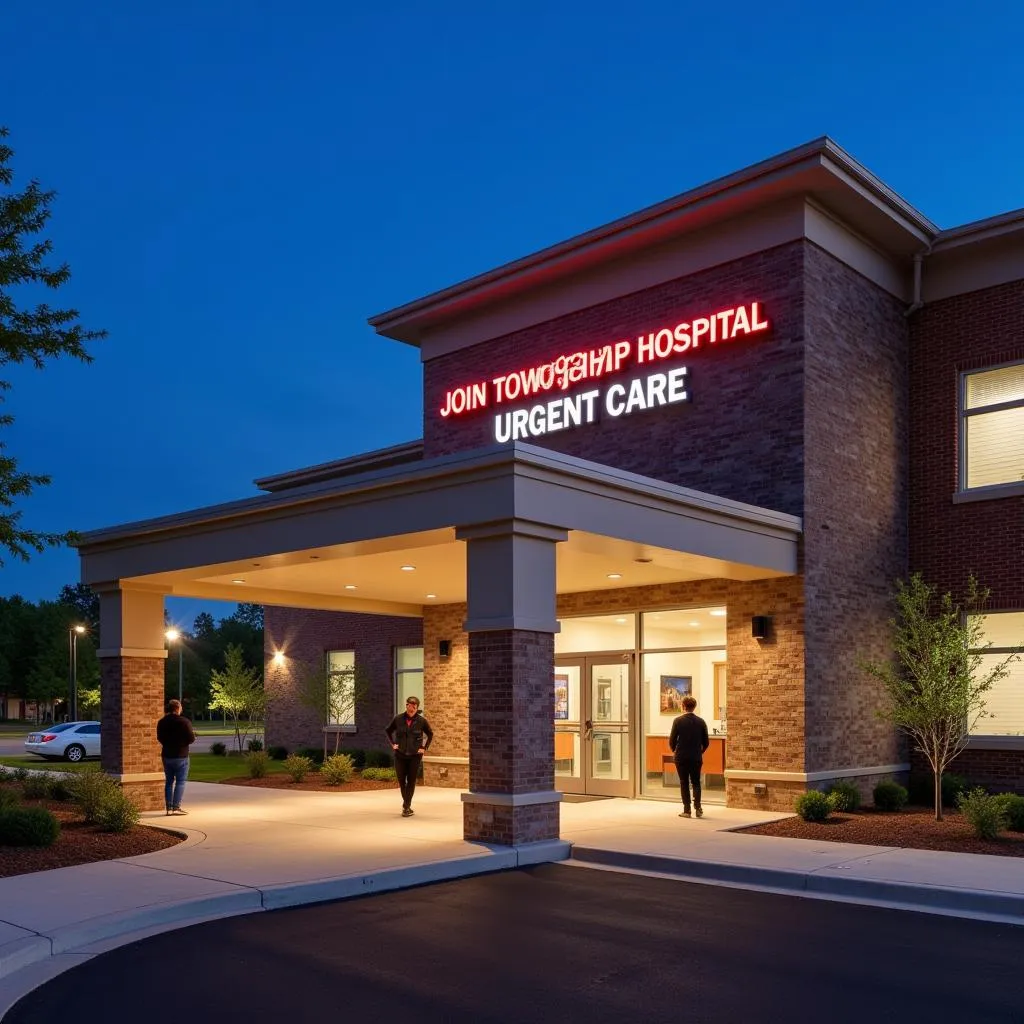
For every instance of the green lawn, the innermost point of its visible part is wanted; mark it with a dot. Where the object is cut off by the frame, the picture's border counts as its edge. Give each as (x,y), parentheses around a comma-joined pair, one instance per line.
(202,767)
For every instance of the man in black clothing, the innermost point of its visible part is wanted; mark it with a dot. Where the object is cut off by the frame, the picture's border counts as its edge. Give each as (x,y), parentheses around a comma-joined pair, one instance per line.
(409,735)
(175,734)
(688,740)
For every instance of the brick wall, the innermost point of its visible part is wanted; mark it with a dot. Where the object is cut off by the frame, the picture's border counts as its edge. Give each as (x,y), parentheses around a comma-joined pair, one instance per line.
(305,636)
(446,694)
(855,506)
(947,541)
(131,704)
(998,771)
(740,436)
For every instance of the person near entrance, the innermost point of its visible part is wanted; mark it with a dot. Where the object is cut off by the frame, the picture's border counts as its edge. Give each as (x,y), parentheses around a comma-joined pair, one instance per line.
(688,740)
(175,734)
(409,735)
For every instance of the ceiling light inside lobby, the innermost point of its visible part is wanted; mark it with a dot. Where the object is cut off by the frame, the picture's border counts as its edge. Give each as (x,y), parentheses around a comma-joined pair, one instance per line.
(717,612)
(238,581)
(408,568)
(615,575)
(430,597)
(350,586)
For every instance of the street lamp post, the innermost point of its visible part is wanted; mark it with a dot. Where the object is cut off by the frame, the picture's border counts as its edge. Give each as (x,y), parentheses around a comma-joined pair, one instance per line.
(73,634)
(174,635)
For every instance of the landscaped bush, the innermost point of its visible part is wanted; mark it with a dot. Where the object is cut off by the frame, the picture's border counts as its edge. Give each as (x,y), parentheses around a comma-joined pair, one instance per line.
(984,812)
(117,812)
(813,806)
(36,787)
(62,787)
(315,754)
(28,826)
(844,796)
(89,789)
(20,774)
(258,763)
(277,753)
(380,774)
(337,769)
(379,759)
(219,749)
(298,767)
(8,799)
(254,745)
(358,758)
(890,796)
(922,789)
(1013,808)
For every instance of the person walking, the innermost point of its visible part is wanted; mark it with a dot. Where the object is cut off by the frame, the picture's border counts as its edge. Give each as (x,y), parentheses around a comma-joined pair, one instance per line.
(175,734)
(688,740)
(410,736)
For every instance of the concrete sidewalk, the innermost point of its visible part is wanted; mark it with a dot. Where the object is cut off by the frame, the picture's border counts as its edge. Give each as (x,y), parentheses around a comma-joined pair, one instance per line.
(250,850)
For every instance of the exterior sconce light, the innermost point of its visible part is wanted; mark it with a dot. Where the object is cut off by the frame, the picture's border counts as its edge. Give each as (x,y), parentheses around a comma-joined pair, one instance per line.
(444,648)
(760,626)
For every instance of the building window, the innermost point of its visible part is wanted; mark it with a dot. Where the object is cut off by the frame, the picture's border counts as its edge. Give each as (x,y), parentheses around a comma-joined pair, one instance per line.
(408,675)
(992,427)
(341,688)
(1004,703)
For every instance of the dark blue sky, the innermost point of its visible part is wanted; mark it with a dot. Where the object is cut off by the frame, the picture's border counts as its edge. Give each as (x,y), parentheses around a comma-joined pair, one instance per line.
(242,184)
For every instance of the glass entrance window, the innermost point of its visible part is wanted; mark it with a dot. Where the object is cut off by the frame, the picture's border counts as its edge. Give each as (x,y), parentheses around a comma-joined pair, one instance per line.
(608,728)
(596,633)
(567,722)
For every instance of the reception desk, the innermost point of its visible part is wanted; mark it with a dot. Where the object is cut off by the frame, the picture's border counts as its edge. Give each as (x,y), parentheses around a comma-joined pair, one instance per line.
(659,758)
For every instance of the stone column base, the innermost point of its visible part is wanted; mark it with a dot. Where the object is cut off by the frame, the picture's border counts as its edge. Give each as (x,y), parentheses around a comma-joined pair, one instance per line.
(446,772)
(147,794)
(510,819)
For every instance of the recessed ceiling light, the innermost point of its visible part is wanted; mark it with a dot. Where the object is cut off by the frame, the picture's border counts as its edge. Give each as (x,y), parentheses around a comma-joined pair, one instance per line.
(256,564)
(643,561)
(314,557)
(694,623)
(615,575)
(350,586)
(408,568)
(620,621)
(430,597)
(717,612)
(238,581)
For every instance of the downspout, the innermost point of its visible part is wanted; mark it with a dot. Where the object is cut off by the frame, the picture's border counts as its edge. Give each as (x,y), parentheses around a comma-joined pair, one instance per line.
(917,302)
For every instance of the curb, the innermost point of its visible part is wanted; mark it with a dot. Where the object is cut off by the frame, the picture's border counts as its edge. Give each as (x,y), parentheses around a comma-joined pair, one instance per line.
(1007,907)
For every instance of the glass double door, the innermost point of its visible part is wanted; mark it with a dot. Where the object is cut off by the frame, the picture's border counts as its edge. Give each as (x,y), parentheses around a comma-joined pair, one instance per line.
(592,725)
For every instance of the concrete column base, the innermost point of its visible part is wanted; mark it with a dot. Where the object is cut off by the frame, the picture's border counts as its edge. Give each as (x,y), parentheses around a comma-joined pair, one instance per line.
(510,820)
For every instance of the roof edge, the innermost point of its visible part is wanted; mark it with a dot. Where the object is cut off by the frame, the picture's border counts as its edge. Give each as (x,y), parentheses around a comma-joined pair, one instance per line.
(379,458)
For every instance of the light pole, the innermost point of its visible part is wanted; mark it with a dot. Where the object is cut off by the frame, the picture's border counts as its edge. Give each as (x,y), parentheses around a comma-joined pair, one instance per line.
(174,636)
(73,634)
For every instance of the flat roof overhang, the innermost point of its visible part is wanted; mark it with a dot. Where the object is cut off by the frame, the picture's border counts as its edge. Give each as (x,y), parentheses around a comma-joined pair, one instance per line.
(340,544)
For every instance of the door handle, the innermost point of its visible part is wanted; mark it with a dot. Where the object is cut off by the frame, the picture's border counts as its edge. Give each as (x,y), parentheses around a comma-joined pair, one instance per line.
(588,725)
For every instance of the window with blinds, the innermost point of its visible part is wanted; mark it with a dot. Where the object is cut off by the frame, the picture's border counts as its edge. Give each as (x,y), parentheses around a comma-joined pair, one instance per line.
(992,427)
(1004,703)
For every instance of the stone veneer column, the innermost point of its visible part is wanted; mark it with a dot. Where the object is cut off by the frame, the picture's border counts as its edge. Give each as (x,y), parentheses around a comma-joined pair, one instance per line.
(132,659)
(511,625)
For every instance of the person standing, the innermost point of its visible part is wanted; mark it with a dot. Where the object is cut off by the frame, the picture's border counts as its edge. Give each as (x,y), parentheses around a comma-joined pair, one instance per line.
(409,735)
(175,734)
(688,740)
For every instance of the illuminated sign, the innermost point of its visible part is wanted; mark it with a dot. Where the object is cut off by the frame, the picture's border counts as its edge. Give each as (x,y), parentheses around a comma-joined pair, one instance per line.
(620,399)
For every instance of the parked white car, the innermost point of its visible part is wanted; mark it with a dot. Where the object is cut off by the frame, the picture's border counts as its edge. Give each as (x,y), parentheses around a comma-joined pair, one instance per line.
(70,740)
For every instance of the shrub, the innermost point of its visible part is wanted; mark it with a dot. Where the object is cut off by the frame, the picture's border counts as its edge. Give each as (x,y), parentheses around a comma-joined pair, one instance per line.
(984,812)
(380,774)
(379,759)
(298,767)
(358,758)
(8,799)
(219,749)
(117,812)
(28,826)
(89,789)
(890,796)
(36,787)
(844,796)
(257,762)
(62,788)
(315,754)
(1013,808)
(337,769)
(253,746)
(277,753)
(20,774)
(813,806)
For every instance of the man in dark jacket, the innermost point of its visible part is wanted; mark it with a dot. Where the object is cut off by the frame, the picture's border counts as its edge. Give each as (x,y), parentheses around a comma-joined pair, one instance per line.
(175,734)
(409,735)
(688,740)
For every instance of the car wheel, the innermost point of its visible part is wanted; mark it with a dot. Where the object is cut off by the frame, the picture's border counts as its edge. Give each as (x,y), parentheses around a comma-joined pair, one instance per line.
(75,752)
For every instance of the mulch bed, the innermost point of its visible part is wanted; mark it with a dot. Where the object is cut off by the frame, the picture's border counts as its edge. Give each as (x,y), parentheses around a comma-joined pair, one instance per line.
(79,843)
(913,828)
(311,784)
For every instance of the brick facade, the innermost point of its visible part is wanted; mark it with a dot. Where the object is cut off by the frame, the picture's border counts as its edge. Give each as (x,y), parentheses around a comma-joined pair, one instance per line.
(131,703)
(446,694)
(305,636)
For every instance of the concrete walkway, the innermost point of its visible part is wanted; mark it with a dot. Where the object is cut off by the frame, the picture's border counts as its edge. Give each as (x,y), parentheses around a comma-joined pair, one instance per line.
(251,850)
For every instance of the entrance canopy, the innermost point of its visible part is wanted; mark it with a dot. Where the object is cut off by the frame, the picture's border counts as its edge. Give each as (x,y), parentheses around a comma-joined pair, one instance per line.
(387,540)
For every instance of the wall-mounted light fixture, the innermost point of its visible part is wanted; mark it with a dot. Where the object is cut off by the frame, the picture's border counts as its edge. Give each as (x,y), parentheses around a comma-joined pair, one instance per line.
(278,657)
(444,648)
(760,626)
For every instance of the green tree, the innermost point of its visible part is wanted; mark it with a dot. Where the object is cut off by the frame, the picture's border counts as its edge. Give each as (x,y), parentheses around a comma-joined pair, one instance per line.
(934,687)
(250,614)
(86,603)
(29,333)
(238,692)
